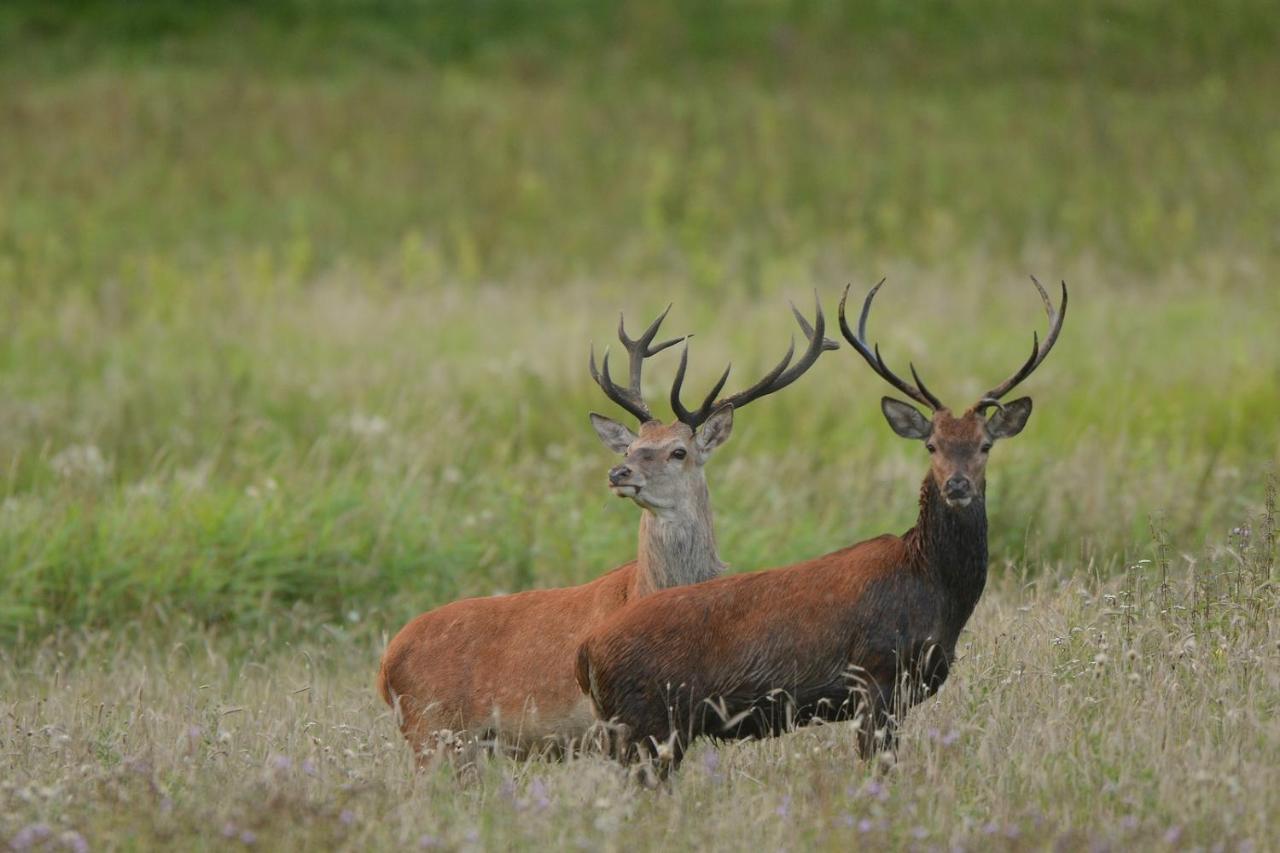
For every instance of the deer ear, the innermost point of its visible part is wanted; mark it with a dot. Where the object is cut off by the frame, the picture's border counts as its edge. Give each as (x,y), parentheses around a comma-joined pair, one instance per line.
(905,420)
(1009,420)
(615,436)
(715,430)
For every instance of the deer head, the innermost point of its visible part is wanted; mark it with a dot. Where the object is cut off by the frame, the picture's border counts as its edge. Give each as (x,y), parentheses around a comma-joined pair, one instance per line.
(662,466)
(957,445)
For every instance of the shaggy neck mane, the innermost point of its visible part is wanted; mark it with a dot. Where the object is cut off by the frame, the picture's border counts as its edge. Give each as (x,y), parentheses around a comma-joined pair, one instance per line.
(678,549)
(950,545)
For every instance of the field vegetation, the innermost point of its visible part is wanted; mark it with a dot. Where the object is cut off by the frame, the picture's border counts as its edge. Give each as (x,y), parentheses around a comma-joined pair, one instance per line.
(296,309)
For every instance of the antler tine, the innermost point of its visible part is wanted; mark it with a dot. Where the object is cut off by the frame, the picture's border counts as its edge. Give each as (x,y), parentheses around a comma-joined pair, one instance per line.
(696,418)
(641,345)
(770,382)
(622,396)
(929,395)
(827,343)
(1038,349)
(638,349)
(782,374)
(872,356)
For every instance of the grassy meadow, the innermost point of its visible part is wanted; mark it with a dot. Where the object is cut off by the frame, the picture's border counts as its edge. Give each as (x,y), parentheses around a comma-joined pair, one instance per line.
(296,308)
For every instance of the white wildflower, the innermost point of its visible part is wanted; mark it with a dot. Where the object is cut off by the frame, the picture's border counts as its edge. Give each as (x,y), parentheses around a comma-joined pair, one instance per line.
(80,461)
(367,426)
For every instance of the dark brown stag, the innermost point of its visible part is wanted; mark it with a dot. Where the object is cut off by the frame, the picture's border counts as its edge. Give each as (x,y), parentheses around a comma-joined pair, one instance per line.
(861,634)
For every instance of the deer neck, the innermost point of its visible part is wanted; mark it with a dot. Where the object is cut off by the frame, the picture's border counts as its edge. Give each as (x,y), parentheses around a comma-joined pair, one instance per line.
(677,547)
(950,545)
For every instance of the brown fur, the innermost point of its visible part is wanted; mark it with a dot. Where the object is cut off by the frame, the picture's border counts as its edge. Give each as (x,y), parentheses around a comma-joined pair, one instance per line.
(855,633)
(499,667)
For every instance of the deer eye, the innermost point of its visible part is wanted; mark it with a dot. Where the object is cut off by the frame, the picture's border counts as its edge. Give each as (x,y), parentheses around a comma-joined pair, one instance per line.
(931,447)
(678,453)
(986,447)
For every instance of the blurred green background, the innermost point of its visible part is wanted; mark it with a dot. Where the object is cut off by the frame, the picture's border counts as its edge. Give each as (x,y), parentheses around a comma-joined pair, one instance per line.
(296,298)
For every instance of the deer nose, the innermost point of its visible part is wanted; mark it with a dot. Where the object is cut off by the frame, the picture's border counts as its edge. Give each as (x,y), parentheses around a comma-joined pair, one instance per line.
(618,474)
(957,486)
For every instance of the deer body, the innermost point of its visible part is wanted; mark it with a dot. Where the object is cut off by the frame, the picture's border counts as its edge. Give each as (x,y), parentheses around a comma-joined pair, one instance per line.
(770,650)
(856,634)
(500,669)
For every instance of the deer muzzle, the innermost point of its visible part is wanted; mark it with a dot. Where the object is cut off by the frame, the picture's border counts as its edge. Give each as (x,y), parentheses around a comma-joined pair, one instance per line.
(958,491)
(620,481)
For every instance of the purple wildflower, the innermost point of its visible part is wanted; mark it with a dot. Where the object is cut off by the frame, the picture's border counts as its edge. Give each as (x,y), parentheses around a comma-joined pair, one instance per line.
(75,841)
(1173,834)
(784,807)
(538,792)
(248,837)
(30,835)
(346,817)
(865,825)
(281,762)
(426,842)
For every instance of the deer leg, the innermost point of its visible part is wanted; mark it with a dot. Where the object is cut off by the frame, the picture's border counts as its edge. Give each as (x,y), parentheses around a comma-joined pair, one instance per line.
(433,750)
(614,740)
(876,728)
(670,754)
(651,764)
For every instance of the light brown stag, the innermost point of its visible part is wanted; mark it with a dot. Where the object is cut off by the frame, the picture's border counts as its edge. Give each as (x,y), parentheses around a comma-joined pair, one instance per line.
(859,634)
(497,672)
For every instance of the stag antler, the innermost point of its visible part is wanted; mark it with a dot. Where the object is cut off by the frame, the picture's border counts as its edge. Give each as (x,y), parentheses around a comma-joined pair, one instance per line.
(1038,350)
(775,380)
(638,349)
(918,392)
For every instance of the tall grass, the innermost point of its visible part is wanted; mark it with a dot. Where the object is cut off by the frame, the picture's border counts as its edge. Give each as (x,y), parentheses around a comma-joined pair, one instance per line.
(1134,713)
(359,448)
